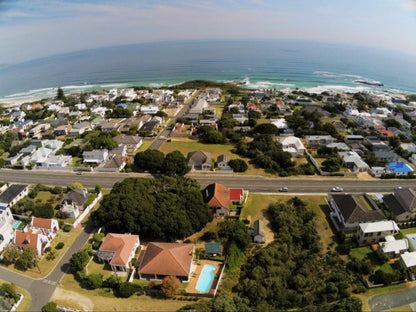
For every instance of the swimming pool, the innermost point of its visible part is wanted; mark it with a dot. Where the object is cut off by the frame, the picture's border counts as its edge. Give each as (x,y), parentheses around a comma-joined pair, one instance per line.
(16,224)
(205,278)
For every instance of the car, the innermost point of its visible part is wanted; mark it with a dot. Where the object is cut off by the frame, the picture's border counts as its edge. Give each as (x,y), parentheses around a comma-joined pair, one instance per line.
(162,137)
(283,189)
(337,189)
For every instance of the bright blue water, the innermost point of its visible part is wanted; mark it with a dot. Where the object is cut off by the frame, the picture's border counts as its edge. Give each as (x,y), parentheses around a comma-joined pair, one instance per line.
(205,278)
(16,224)
(262,63)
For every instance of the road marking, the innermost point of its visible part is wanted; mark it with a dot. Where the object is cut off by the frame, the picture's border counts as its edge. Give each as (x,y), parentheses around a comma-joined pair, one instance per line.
(49,282)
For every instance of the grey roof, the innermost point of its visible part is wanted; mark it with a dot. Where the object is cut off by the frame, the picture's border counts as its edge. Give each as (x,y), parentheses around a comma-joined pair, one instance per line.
(199,157)
(150,125)
(11,193)
(77,196)
(407,197)
(127,139)
(393,205)
(223,157)
(354,211)
(259,227)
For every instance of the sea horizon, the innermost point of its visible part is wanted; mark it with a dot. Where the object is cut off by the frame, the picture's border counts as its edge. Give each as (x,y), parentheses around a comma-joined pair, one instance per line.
(263,64)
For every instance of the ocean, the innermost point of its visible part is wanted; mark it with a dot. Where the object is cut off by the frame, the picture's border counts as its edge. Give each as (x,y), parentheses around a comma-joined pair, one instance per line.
(281,64)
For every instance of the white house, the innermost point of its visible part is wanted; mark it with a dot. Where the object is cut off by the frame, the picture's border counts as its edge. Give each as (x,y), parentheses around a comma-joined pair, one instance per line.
(293,145)
(280,123)
(198,106)
(12,195)
(96,156)
(54,161)
(32,238)
(393,247)
(49,227)
(6,227)
(408,260)
(40,154)
(373,232)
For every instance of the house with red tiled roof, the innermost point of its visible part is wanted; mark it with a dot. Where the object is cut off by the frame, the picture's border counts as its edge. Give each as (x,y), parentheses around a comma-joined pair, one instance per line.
(49,227)
(238,196)
(167,259)
(118,250)
(219,198)
(31,238)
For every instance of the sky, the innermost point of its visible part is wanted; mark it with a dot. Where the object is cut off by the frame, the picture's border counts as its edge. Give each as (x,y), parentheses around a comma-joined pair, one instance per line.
(32,29)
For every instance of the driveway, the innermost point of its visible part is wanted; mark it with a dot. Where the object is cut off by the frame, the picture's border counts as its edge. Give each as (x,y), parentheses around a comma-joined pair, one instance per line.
(394,300)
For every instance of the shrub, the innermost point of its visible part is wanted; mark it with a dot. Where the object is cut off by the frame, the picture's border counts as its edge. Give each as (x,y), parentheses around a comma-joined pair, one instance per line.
(112,282)
(60,245)
(57,190)
(67,228)
(48,249)
(90,199)
(98,237)
(96,245)
(95,281)
(126,290)
(209,236)
(50,307)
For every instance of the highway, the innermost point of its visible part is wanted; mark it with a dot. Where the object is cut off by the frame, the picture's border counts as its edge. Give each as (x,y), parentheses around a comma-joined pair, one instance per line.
(256,184)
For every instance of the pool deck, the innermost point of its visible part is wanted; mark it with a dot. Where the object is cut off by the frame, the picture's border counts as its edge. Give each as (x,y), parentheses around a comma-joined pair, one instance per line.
(191,289)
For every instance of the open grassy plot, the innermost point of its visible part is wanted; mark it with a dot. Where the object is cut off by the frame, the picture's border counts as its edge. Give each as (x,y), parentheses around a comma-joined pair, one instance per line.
(186,145)
(27,299)
(145,145)
(361,252)
(97,267)
(48,197)
(104,299)
(257,205)
(411,230)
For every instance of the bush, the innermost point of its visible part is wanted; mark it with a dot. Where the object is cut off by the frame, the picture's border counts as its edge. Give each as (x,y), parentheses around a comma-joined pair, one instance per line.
(98,237)
(48,249)
(126,290)
(67,228)
(57,190)
(96,245)
(90,199)
(112,282)
(50,307)
(60,245)
(209,236)
(238,165)
(95,281)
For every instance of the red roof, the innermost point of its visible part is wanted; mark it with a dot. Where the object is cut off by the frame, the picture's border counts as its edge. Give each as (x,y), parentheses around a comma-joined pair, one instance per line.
(26,239)
(42,223)
(218,195)
(121,244)
(235,194)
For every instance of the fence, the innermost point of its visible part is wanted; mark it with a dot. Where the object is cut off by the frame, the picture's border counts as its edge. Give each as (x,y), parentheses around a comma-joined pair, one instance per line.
(14,307)
(85,212)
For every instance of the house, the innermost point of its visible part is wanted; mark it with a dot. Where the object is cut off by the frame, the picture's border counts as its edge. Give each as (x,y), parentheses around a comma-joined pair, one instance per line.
(31,238)
(131,123)
(28,150)
(167,259)
(54,161)
(374,232)
(73,202)
(409,147)
(222,162)
(259,235)
(399,168)
(408,260)
(402,203)
(79,128)
(198,106)
(213,123)
(150,127)
(386,155)
(96,156)
(293,145)
(116,163)
(62,130)
(339,126)
(149,109)
(12,161)
(353,138)
(36,132)
(377,171)
(238,196)
(348,211)
(6,227)
(315,141)
(118,250)
(40,154)
(218,198)
(392,247)
(241,118)
(181,130)
(80,106)
(12,195)
(130,141)
(280,123)
(53,145)
(353,161)
(213,249)
(339,146)
(49,227)
(108,126)
(411,238)
(199,160)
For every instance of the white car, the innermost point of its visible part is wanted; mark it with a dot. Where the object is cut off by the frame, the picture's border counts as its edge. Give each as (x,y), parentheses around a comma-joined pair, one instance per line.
(283,189)
(337,189)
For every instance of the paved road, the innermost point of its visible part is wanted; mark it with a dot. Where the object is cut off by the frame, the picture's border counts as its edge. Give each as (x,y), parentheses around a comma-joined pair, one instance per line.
(42,289)
(394,300)
(252,183)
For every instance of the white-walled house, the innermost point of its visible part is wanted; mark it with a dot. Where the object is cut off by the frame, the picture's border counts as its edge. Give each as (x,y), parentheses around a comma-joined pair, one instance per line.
(6,227)
(293,145)
(374,232)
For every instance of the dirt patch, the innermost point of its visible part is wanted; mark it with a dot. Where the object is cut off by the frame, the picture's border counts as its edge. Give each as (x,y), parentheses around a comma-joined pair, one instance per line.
(365,176)
(62,295)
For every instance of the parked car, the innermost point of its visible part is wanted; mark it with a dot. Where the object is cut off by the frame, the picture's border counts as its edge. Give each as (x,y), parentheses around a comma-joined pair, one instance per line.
(337,189)
(283,189)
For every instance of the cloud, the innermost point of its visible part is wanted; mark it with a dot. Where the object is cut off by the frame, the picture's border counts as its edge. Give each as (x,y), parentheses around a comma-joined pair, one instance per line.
(410,5)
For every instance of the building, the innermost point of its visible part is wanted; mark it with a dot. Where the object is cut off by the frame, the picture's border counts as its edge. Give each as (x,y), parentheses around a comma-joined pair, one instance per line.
(386,155)
(198,106)
(392,247)
(62,130)
(399,168)
(402,203)
(411,238)
(49,227)
(293,145)
(408,260)
(116,163)
(12,195)
(31,238)
(54,161)
(130,141)
(259,235)
(315,141)
(213,249)
(218,198)
(374,232)
(181,130)
(96,156)
(73,202)
(348,211)
(222,162)
(353,138)
(149,109)
(118,250)
(6,227)
(167,259)
(199,160)
(353,161)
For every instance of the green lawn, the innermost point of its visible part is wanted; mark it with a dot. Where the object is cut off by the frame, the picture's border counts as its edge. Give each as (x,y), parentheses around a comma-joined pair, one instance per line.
(360,253)
(411,230)
(76,162)
(48,197)
(145,145)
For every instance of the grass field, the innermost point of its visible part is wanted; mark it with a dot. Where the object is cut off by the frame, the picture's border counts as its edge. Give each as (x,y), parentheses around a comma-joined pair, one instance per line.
(186,145)
(361,252)
(145,145)
(408,231)
(27,299)
(48,197)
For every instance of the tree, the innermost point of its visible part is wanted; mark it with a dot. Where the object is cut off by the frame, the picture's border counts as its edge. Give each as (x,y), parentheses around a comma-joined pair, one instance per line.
(332,164)
(44,211)
(238,165)
(175,162)
(149,160)
(50,307)
(10,290)
(10,254)
(60,95)
(265,129)
(95,281)
(76,185)
(97,188)
(126,289)
(170,286)
(28,259)
(79,260)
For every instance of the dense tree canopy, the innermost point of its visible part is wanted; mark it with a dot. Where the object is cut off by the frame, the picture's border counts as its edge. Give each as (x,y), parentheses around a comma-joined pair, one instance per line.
(167,208)
(155,161)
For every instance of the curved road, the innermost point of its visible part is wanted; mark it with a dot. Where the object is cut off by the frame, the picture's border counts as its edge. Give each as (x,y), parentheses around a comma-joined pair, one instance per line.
(42,289)
(252,183)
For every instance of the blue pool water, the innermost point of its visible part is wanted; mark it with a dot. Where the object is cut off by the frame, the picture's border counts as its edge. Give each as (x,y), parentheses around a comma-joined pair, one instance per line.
(205,278)
(16,224)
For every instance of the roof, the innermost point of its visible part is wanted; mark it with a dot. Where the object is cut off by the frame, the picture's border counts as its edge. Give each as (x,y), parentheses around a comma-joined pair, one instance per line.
(406,197)
(199,156)
(78,196)
(11,193)
(259,227)
(127,139)
(409,259)
(223,157)
(235,194)
(395,246)
(115,162)
(122,245)
(217,195)
(167,259)
(399,167)
(380,226)
(393,205)
(354,211)
(42,223)
(213,248)
(26,239)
